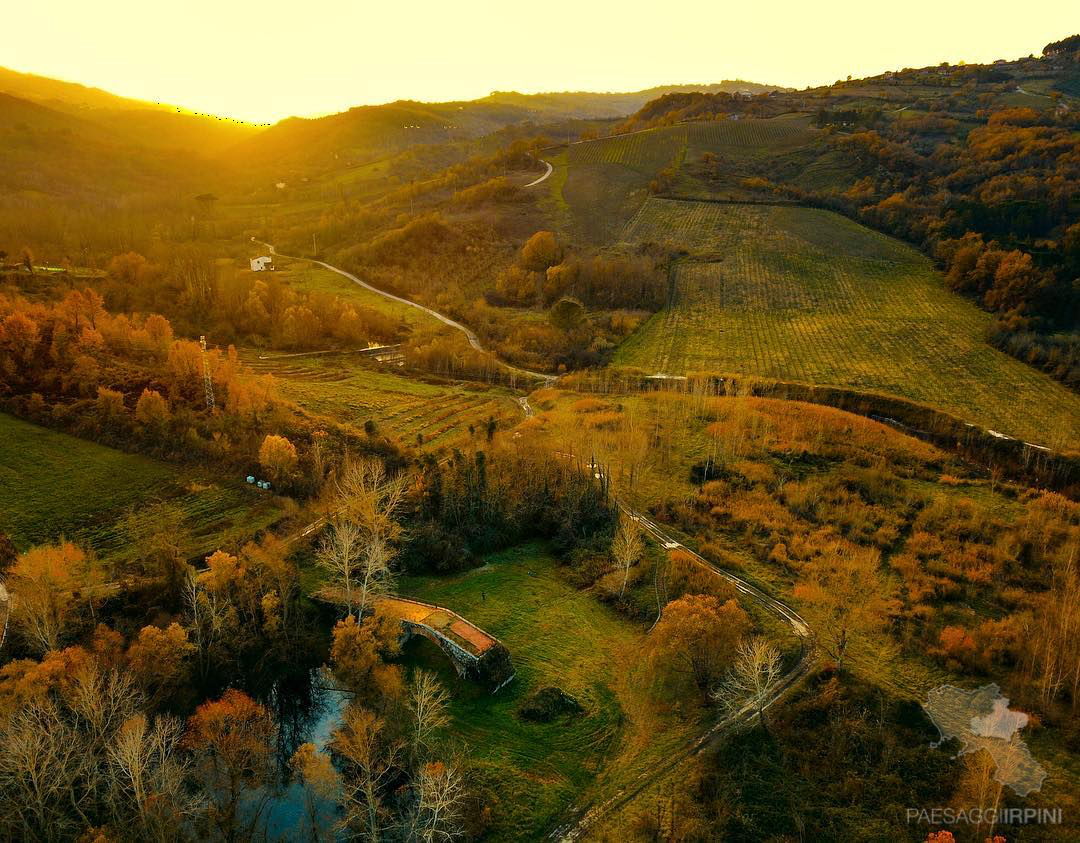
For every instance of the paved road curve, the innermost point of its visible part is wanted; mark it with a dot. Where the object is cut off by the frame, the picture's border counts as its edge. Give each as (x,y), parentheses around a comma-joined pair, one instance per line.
(543,177)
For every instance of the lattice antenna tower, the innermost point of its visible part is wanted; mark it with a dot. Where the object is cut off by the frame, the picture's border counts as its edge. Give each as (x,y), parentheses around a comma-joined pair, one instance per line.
(208,382)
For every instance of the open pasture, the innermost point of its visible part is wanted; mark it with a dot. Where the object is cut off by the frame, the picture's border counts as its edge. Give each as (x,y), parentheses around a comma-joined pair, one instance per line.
(342,388)
(53,485)
(557,636)
(805,295)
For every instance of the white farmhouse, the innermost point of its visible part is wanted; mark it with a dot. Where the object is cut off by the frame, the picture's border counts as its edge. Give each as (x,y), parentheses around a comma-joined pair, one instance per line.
(262,263)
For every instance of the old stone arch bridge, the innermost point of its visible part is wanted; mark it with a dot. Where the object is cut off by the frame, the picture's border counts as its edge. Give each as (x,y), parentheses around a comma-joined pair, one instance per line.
(475,654)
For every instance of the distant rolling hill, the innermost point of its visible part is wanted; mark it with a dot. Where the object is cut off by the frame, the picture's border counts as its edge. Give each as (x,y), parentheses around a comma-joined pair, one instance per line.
(46,154)
(63,139)
(365,132)
(154,125)
(586,104)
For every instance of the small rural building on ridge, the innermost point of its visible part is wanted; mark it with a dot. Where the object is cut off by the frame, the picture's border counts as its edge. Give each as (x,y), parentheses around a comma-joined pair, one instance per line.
(261,263)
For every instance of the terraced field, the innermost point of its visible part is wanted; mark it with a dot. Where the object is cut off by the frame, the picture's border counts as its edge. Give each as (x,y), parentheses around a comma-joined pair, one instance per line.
(806,295)
(54,485)
(557,636)
(348,391)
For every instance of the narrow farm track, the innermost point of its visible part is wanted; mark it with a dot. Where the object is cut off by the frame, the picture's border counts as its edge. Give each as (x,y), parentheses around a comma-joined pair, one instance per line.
(5,612)
(470,335)
(543,177)
(584,817)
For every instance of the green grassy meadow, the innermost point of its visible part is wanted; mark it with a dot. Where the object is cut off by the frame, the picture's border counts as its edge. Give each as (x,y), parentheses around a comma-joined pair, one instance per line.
(806,295)
(54,485)
(349,391)
(557,635)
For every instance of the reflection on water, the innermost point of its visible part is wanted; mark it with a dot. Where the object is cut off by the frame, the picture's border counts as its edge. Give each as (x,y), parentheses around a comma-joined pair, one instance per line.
(307,708)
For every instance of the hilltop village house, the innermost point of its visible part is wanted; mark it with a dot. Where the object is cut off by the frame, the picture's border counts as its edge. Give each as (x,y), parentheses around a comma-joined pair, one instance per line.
(262,263)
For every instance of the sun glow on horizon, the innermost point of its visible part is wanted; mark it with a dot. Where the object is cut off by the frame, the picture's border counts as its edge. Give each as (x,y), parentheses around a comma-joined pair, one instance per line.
(261,62)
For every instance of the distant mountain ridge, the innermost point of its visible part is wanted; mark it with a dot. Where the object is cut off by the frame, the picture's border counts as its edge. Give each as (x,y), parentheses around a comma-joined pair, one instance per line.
(367,130)
(44,122)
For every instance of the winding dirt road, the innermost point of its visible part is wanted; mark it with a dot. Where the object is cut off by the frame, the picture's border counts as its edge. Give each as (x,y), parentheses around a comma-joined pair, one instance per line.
(470,335)
(543,177)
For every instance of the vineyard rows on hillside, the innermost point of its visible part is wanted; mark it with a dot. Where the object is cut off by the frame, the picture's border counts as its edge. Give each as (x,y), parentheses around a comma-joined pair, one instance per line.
(841,306)
(650,151)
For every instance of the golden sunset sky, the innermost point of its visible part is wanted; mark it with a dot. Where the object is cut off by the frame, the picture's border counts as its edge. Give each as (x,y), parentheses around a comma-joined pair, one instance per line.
(262,61)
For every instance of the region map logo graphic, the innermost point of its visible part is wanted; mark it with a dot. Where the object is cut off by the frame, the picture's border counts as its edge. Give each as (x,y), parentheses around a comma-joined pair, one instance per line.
(982,719)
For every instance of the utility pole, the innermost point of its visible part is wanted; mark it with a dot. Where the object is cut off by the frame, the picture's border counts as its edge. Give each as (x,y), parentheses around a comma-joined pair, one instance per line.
(208,382)
(314,249)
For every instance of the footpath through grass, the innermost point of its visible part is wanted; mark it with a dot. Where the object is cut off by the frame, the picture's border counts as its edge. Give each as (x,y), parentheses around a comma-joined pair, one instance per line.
(806,295)
(54,485)
(557,636)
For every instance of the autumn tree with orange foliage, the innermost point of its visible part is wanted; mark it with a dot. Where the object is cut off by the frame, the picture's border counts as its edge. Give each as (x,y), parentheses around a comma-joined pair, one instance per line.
(152,411)
(160,660)
(277,455)
(232,740)
(358,657)
(847,599)
(45,579)
(696,636)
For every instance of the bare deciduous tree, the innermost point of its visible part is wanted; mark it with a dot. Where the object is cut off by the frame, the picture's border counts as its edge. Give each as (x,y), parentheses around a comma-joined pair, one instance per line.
(207,619)
(370,762)
(149,781)
(626,548)
(440,794)
(372,499)
(339,556)
(41,764)
(429,701)
(1053,658)
(369,502)
(756,669)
